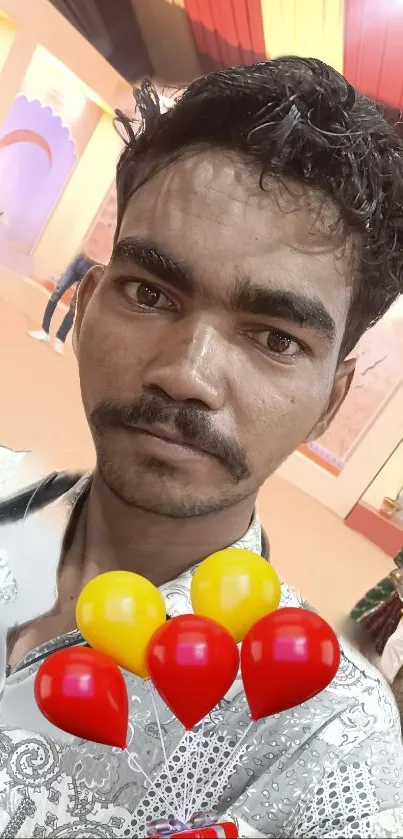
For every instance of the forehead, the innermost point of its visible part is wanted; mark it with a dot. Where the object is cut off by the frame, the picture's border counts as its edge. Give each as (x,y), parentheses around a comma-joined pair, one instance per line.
(208,210)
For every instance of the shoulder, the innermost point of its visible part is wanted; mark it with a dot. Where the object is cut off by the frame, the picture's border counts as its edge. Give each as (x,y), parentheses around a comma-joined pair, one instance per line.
(337,759)
(33,521)
(358,695)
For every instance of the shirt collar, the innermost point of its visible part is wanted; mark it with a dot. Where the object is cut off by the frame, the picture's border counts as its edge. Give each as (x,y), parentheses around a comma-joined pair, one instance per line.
(176,592)
(29,557)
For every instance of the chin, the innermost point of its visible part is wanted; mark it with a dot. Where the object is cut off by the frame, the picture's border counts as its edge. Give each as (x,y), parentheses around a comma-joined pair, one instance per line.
(158,488)
(167,502)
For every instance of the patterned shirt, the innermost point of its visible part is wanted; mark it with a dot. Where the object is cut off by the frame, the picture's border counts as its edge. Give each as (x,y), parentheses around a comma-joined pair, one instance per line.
(331,767)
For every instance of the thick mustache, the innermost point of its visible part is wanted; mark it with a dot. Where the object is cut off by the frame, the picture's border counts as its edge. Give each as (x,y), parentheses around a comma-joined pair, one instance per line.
(193,424)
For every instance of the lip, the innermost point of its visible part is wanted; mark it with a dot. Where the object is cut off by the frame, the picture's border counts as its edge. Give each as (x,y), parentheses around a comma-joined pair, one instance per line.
(163,432)
(164,440)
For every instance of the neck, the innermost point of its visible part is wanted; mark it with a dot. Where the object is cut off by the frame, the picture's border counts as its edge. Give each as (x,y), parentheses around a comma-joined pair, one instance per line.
(119,536)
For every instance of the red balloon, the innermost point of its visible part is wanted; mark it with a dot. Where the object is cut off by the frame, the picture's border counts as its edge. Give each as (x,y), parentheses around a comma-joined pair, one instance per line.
(83,692)
(287,657)
(192,661)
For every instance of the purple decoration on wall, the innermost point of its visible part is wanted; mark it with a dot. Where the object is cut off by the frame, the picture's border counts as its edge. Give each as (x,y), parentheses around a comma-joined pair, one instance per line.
(37,156)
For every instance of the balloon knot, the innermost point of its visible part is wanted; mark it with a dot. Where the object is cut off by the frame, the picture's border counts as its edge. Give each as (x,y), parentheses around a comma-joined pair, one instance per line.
(165,828)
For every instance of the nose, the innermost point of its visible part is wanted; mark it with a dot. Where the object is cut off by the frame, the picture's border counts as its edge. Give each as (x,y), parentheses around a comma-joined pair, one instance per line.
(189,365)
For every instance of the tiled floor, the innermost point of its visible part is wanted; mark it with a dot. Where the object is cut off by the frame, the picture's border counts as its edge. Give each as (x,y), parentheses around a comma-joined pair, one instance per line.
(41,410)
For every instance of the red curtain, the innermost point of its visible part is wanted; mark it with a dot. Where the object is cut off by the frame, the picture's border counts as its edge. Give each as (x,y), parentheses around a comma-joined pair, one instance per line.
(226,32)
(373,39)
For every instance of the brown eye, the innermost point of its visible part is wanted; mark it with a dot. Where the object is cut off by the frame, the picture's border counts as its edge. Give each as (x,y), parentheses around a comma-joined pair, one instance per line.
(278,343)
(147,295)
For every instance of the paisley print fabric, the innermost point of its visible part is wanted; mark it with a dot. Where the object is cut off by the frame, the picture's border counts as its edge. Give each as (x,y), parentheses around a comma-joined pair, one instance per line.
(332,767)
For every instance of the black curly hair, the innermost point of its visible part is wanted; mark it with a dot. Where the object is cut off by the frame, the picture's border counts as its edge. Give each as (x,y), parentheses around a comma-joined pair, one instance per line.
(295,118)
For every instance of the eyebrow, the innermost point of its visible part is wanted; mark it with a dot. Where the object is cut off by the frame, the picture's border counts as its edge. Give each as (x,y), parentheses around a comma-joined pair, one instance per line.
(284,305)
(247,297)
(146,255)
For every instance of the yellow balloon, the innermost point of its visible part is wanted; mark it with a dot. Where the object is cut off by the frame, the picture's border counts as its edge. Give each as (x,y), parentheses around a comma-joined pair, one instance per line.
(236,588)
(117,613)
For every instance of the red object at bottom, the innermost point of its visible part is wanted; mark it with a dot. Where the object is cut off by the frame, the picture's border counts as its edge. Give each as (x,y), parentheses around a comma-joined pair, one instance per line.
(223,830)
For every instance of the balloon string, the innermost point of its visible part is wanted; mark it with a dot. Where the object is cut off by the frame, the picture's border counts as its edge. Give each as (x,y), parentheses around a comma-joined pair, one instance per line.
(134,764)
(168,771)
(185,796)
(236,751)
(198,757)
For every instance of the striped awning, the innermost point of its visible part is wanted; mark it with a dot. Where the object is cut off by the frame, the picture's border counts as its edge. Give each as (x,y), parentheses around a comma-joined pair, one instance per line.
(174,41)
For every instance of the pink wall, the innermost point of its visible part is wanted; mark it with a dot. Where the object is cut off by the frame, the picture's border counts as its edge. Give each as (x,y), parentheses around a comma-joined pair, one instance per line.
(379,372)
(99,241)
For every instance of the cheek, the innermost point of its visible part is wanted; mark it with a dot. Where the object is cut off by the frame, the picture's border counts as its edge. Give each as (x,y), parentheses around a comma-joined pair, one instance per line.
(110,359)
(280,412)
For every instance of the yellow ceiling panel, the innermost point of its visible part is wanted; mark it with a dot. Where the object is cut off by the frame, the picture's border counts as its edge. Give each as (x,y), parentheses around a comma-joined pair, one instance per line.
(310,28)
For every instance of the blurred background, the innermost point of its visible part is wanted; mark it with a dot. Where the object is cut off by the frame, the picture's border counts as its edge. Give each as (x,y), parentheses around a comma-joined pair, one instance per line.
(334,512)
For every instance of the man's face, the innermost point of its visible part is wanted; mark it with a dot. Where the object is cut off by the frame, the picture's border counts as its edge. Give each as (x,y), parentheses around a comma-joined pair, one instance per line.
(208,348)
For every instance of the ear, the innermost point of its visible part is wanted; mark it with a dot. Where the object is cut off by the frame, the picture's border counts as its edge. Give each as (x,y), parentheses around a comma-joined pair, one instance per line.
(341,387)
(85,291)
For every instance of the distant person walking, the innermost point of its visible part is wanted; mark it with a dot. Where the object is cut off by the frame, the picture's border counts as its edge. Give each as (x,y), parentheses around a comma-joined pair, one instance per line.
(73,275)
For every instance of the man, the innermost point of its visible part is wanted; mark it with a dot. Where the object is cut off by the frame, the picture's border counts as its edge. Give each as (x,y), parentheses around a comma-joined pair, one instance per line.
(72,276)
(258,235)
